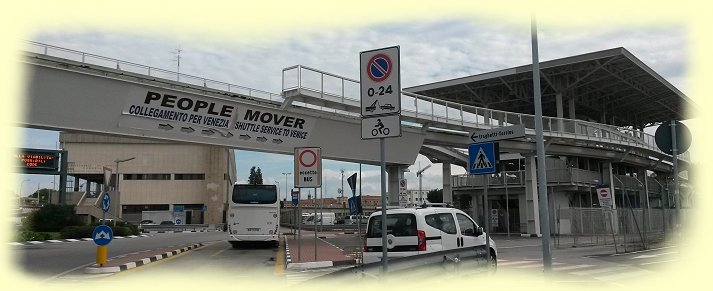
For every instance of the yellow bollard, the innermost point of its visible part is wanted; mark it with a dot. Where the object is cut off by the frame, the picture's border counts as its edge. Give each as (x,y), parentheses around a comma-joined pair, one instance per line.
(101,255)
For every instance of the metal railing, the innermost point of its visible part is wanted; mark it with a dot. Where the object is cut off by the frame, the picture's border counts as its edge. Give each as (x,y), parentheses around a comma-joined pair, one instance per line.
(569,176)
(446,113)
(418,107)
(630,229)
(92,59)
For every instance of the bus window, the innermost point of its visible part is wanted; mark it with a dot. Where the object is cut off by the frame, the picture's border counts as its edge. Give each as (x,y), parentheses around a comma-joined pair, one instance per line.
(254,195)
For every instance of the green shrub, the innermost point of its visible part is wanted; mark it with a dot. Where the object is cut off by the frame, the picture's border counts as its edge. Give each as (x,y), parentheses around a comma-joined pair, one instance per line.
(121,230)
(52,218)
(32,235)
(81,231)
(133,229)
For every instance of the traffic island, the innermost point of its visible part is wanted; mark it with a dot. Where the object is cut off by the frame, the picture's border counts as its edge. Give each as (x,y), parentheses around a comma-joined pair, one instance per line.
(133,260)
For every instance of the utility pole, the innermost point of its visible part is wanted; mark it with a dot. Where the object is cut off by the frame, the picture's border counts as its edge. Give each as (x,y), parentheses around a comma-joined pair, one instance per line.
(341,191)
(177,52)
(286,191)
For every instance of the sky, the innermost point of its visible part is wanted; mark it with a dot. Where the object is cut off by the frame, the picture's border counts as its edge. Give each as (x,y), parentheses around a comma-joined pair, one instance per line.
(431,51)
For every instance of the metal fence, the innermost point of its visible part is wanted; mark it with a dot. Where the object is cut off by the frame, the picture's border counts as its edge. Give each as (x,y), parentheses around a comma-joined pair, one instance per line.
(627,229)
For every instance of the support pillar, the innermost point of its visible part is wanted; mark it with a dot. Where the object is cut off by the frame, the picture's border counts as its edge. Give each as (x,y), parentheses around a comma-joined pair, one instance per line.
(571,108)
(560,111)
(531,196)
(395,173)
(447,189)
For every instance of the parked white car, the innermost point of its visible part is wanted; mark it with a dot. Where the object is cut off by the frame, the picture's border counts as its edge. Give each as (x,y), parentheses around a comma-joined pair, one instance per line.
(413,231)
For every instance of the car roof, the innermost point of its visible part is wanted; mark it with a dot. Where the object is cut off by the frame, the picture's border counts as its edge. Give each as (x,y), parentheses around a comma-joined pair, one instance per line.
(415,210)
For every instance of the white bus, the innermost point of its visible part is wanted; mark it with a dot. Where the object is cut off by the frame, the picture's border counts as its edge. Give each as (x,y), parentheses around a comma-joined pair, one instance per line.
(253,214)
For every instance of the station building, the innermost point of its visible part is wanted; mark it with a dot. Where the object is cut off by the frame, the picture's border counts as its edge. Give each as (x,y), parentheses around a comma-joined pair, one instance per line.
(189,180)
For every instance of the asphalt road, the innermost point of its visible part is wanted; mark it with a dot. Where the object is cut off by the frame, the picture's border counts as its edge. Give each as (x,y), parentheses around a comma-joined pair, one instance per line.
(51,260)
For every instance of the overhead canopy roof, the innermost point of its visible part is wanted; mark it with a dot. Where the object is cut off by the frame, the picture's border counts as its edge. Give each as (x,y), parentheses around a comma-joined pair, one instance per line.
(610,86)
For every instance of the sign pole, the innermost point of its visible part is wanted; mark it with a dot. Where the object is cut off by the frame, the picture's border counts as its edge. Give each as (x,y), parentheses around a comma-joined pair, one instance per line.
(487,219)
(507,201)
(674,153)
(314,199)
(299,226)
(384,252)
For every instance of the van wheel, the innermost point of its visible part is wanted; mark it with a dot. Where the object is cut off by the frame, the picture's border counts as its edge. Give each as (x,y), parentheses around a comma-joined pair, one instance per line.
(235,244)
(493,264)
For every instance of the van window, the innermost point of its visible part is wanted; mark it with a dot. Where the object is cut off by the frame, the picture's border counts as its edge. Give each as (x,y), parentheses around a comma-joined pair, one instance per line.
(442,221)
(467,226)
(396,224)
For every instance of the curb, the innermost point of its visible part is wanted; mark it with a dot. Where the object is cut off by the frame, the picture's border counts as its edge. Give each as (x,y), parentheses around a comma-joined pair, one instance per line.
(94,269)
(36,242)
(289,265)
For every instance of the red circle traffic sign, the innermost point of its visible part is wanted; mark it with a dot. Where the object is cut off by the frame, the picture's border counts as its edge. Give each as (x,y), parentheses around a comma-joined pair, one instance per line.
(379,67)
(604,192)
(314,158)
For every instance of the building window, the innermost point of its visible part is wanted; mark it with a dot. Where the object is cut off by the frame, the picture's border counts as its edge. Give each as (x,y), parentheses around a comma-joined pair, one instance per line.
(189,176)
(147,176)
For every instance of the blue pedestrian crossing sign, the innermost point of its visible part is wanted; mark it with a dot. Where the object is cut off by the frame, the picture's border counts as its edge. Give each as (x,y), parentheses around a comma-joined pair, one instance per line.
(483,158)
(102,235)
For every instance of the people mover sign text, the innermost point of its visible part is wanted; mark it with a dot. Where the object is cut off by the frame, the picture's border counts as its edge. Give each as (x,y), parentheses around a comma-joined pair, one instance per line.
(207,113)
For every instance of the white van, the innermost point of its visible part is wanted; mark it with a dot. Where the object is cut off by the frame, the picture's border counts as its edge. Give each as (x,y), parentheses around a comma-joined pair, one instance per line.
(413,231)
(326,218)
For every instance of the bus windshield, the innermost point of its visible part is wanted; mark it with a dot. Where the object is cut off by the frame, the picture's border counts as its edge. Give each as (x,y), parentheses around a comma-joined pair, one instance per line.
(254,194)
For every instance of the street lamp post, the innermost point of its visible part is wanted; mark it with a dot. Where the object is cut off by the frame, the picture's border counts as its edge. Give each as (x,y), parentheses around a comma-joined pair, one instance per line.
(117,183)
(278,190)
(286,190)
(49,195)
(22,184)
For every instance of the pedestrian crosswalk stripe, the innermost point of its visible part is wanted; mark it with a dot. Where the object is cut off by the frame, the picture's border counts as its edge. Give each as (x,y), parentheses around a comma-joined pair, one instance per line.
(624,275)
(597,271)
(566,268)
(515,263)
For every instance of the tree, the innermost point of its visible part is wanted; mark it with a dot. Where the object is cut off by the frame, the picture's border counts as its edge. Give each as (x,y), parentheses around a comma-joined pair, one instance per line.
(435,196)
(52,217)
(255,177)
(258,176)
(43,194)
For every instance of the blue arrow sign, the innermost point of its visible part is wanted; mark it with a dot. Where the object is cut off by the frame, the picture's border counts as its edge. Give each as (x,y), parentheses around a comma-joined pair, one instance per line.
(295,200)
(106,201)
(353,210)
(102,235)
(483,158)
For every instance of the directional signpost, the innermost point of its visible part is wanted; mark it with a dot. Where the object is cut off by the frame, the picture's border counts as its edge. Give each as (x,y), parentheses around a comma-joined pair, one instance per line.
(499,133)
(484,158)
(102,236)
(106,202)
(380,83)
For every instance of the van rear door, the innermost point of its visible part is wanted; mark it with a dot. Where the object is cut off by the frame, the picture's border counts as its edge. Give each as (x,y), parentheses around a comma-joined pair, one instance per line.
(401,231)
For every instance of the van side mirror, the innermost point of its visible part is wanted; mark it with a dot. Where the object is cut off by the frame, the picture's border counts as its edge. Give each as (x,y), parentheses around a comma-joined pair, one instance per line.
(479,231)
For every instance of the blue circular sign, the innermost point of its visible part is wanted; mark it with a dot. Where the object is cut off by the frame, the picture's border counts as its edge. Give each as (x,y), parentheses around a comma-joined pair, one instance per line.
(379,67)
(178,221)
(102,235)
